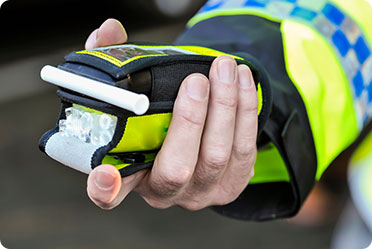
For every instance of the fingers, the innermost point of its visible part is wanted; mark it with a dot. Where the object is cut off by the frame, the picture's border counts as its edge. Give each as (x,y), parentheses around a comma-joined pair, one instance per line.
(176,161)
(111,32)
(107,189)
(208,155)
(243,155)
(219,129)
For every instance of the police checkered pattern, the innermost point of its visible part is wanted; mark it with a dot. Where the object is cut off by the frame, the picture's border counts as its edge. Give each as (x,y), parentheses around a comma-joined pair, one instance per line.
(341,31)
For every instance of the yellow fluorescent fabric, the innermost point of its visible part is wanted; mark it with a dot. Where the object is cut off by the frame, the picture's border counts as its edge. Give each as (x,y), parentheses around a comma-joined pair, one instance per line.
(110,159)
(144,133)
(193,49)
(260,100)
(113,60)
(364,150)
(269,167)
(318,76)
(206,51)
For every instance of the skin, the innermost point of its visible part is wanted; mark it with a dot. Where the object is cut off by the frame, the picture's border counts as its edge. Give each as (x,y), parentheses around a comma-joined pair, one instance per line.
(209,152)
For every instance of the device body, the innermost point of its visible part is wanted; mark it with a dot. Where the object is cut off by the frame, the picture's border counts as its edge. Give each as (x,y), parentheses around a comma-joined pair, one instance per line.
(117,102)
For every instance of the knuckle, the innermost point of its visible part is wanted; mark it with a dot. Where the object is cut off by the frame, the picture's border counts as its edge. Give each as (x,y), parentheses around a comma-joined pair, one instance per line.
(248,106)
(227,196)
(194,199)
(177,178)
(193,205)
(157,203)
(168,183)
(244,152)
(227,102)
(252,108)
(191,118)
(190,114)
(216,160)
(224,201)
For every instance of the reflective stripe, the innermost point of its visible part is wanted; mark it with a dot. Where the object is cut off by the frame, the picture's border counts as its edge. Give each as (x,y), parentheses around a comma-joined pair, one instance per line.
(340,30)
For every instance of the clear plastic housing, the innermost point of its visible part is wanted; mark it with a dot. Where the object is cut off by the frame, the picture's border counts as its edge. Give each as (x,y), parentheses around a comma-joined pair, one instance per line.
(88,125)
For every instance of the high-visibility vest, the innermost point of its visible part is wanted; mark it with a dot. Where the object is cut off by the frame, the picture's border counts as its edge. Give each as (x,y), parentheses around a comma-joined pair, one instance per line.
(318,55)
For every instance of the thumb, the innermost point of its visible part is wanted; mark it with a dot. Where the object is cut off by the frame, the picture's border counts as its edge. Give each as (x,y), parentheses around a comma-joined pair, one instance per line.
(107,189)
(111,32)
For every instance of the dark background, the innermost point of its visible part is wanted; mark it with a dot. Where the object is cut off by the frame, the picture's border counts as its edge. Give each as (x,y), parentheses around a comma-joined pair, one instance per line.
(44,204)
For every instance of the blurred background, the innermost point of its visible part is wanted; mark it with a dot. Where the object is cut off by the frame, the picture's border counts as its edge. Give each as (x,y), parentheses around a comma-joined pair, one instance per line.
(45,205)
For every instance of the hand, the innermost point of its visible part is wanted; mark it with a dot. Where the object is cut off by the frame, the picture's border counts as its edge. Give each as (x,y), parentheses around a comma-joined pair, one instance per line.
(209,152)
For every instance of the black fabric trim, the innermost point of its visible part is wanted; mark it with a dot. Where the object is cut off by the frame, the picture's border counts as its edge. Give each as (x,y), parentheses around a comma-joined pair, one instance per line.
(134,66)
(302,159)
(273,131)
(155,107)
(88,72)
(129,170)
(167,78)
(45,137)
(266,206)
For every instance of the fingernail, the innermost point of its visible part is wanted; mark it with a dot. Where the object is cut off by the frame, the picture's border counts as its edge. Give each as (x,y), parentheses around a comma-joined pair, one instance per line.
(104,180)
(197,87)
(226,71)
(245,77)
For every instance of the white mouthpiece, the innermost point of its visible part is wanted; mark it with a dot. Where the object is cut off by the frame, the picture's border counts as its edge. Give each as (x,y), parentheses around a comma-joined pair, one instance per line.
(137,103)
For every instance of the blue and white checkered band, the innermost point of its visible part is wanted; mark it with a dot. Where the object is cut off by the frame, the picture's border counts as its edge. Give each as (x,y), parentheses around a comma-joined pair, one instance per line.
(341,31)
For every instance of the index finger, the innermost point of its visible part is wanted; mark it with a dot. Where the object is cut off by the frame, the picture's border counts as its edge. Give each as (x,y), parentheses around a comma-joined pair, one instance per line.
(176,161)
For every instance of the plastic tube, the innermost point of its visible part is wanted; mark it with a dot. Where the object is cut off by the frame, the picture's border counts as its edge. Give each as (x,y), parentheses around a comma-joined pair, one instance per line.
(137,103)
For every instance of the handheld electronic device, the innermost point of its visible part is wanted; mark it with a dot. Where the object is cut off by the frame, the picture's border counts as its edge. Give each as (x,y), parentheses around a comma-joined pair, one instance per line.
(116,102)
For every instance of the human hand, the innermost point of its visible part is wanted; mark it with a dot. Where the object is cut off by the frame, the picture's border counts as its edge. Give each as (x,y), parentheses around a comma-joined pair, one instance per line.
(209,152)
